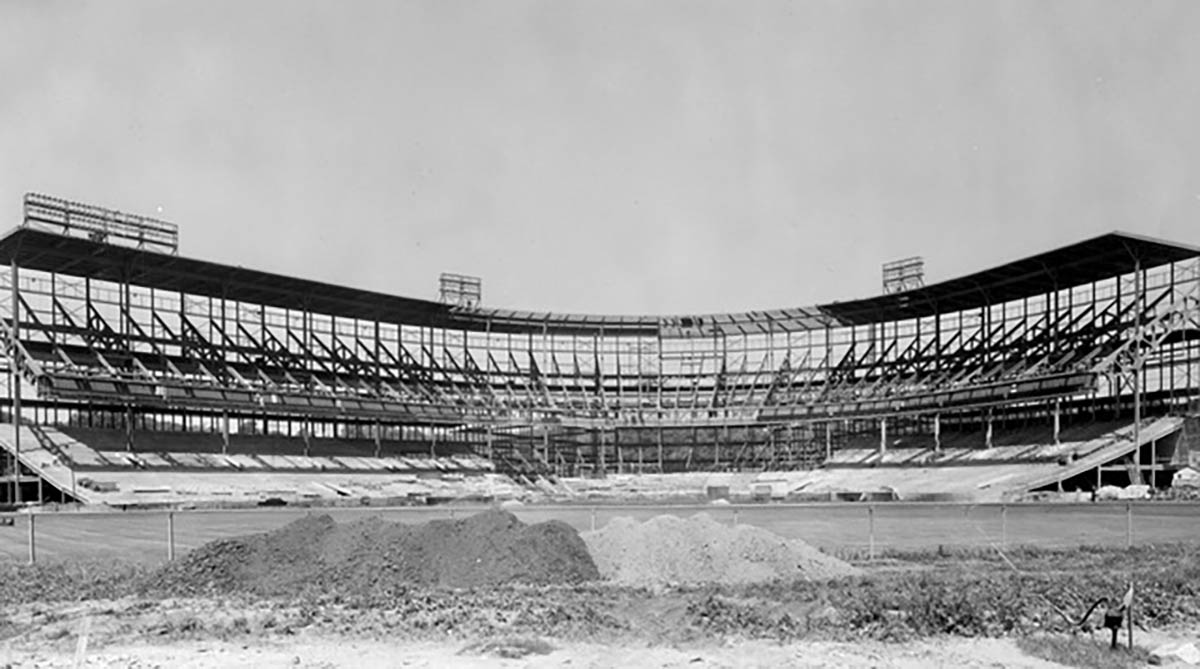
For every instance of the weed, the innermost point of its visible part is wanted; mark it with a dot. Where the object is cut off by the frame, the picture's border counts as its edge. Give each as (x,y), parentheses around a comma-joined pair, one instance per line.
(1083,652)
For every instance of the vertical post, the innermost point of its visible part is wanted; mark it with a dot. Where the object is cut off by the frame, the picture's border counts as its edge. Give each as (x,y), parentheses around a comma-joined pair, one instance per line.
(603,464)
(617,447)
(882,436)
(170,536)
(15,392)
(660,446)
(32,540)
(1153,464)
(1003,525)
(378,436)
(129,428)
(937,433)
(224,432)
(871,532)
(716,448)
(987,439)
(1129,618)
(1128,524)
(593,519)
(828,441)
(1138,294)
(735,516)
(1057,421)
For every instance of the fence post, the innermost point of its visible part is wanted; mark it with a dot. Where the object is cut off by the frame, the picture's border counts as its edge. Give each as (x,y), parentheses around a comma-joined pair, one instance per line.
(32,540)
(871,532)
(593,519)
(1004,526)
(1129,617)
(1128,524)
(170,536)
(735,516)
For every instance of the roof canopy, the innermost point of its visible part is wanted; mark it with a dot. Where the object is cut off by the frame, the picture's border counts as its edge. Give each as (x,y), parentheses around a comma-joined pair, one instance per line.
(1084,262)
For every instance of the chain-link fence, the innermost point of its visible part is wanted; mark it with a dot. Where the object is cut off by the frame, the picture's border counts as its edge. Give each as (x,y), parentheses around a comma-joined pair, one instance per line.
(857,530)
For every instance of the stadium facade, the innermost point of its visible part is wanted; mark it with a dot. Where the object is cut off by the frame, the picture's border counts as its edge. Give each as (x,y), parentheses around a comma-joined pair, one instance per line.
(112,335)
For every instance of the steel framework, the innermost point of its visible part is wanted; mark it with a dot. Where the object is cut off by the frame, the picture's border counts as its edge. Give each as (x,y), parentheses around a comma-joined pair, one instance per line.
(139,338)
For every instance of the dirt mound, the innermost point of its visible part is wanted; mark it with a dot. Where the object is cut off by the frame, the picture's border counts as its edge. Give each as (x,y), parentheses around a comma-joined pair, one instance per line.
(373,555)
(671,550)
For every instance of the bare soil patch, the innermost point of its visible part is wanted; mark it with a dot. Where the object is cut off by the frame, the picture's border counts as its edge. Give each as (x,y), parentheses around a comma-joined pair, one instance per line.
(669,550)
(317,554)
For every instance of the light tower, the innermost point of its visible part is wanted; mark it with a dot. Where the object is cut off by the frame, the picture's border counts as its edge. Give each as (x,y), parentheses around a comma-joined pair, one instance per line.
(460,290)
(903,275)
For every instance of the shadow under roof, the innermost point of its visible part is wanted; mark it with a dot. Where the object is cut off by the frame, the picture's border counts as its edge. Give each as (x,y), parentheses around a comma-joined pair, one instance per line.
(1084,262)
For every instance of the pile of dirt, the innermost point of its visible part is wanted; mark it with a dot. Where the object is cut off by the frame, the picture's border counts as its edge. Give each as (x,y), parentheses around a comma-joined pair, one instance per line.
(668,550)
(373,555)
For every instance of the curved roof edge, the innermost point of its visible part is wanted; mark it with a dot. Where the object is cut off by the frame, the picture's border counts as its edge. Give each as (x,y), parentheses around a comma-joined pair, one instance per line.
(1095,259)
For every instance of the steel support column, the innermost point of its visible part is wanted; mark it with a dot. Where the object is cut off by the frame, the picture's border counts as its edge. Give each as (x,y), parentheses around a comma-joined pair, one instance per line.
(1057,421)
(828,441)
(15,382)
(1139,295)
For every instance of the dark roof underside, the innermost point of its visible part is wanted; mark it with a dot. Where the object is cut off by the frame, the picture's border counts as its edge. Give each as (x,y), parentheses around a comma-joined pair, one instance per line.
(1078,264)
(1081,263)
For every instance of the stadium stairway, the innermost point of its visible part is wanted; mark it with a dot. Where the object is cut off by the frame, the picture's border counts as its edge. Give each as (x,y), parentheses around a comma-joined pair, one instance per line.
(961,475)
(55,468)
(1121,445)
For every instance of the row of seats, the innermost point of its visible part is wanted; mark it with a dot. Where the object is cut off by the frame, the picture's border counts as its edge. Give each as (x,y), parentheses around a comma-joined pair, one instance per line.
(200,442)
(1028,445)
(106,449)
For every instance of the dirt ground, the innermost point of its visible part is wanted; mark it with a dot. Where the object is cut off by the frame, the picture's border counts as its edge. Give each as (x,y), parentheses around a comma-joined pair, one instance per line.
(203,634)
(375,594)
(331,652)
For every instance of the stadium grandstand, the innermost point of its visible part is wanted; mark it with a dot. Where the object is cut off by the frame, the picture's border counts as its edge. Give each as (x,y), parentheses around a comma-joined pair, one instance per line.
(137,374)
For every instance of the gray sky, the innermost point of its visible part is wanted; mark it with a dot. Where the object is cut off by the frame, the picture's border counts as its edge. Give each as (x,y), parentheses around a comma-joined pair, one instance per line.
(612,156)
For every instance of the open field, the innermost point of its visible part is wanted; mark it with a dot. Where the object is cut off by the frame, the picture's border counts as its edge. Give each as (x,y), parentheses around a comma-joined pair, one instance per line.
(316,595)
(837,528)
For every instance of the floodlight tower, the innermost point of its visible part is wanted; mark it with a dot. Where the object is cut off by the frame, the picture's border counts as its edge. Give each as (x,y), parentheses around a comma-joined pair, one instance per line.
(903,275)
(460,290)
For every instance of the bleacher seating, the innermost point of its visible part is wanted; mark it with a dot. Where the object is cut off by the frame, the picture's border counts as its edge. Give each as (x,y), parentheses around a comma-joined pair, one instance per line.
(100,449)
(1021,445)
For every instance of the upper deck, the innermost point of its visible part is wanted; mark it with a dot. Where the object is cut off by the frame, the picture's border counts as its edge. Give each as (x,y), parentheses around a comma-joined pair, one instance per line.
(1106,256)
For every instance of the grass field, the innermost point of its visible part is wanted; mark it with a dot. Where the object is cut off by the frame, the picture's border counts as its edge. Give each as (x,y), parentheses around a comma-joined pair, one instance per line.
(838,528)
